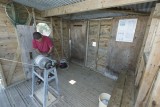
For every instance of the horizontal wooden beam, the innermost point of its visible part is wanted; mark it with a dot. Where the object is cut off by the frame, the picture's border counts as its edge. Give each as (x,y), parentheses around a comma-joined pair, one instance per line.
(89,5)
(130,12)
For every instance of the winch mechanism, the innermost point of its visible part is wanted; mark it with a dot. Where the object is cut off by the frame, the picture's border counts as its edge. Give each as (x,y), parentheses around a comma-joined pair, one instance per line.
(44,62)
(48,66)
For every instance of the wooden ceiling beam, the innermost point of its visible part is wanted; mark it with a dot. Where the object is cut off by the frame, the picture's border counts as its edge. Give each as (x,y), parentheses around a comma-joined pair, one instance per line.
(130,12)
(89,5)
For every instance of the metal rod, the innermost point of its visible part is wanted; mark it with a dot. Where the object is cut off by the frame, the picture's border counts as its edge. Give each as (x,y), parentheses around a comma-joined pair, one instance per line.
(70,43)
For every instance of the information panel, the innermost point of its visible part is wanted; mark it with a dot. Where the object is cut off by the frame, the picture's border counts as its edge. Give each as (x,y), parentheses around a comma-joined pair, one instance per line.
(126,30)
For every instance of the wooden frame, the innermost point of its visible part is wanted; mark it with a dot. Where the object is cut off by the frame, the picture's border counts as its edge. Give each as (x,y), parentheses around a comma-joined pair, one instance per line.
(153,62)
(141,61)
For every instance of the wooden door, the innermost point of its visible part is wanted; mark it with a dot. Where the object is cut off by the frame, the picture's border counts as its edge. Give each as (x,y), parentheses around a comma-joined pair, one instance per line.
(99,33)
(93,37)
(103,42)
(78,42)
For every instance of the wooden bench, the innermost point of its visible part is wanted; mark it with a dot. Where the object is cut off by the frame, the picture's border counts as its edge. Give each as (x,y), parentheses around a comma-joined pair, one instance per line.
(123,92)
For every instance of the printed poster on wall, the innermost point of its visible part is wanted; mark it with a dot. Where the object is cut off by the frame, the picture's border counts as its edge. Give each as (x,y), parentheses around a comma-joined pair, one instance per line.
(126,30)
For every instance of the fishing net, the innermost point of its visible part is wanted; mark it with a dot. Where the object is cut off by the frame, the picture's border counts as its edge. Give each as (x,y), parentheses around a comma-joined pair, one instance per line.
(17,13)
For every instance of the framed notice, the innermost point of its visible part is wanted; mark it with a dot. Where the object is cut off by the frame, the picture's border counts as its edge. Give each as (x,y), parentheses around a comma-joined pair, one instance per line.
(126,30)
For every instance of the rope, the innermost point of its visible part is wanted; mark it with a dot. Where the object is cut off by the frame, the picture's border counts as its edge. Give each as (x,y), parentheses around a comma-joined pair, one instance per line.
(16,61)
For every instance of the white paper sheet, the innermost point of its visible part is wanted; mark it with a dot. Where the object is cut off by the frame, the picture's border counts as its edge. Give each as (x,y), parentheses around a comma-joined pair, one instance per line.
(126,30)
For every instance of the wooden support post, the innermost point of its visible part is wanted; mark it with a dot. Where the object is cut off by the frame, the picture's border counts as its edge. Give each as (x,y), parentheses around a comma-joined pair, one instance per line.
(70,41)
(2,76)
(98,37)
(144,51)
(54,26)
(143,45)
(87,29)
(29,19)
(13,14)
(51,19)
(151,70)
(34,18)
(61,26)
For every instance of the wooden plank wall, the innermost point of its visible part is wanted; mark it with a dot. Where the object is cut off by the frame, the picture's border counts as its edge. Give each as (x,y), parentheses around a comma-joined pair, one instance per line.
(9,41)
(57,37)
(122,56)
(61,34)
(110,55)
(8,47)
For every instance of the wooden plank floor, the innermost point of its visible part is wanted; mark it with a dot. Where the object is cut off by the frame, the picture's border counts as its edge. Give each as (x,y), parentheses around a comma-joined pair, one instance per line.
(84,93)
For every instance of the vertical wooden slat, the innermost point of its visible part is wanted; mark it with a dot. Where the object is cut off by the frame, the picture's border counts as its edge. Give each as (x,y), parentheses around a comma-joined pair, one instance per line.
(62,41)
(51,19)
(86,58)
(66,38)
(54,26)
(13,13)
(98,39)
(34,18)
(92,37)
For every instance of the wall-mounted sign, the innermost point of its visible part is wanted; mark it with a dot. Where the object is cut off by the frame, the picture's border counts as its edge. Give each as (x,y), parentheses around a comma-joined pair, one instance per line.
(94,44)
(126,30)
